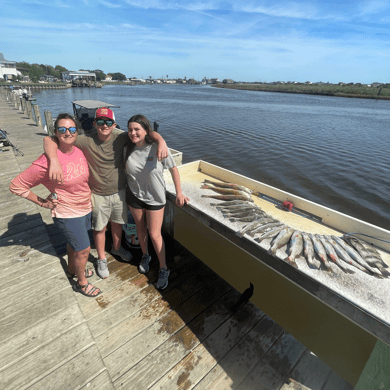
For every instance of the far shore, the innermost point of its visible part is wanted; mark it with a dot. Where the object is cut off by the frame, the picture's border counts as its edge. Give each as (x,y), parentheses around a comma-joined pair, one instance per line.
(350,91)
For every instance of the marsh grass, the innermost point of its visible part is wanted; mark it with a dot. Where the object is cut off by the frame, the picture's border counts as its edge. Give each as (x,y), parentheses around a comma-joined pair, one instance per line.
(359,91)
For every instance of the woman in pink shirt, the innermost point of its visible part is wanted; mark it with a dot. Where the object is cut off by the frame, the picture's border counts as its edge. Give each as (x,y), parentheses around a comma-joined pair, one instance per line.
(72,209)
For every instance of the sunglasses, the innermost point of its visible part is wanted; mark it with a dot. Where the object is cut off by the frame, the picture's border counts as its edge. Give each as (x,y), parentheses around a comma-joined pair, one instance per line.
(108,122)
(62,130)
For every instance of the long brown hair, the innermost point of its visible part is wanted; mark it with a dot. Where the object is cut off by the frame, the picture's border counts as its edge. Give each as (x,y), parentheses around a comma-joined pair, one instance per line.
(144,122)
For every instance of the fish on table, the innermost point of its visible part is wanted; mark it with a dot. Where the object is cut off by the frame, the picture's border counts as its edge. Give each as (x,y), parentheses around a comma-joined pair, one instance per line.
(308,250)
(251,226)
(295,249)
(355,255)
(343,254)
(228,185)
(230,203)
(271,233)
(367,251)
(263,228)
(281,239)
(243,196)
(321,252)
(224,191)
(331,252)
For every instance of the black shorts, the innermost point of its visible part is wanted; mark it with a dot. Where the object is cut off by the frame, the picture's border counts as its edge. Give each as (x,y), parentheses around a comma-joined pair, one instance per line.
(135,203)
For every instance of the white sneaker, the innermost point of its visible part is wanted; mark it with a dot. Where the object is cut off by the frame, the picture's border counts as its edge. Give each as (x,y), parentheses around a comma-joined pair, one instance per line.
(122,253)
(102,269)
(143,267)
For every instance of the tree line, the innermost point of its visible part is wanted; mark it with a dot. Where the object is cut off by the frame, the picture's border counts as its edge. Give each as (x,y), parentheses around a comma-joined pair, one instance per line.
(34,71)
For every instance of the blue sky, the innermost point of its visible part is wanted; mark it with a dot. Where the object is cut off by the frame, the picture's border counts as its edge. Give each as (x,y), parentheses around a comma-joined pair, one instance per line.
(260,40)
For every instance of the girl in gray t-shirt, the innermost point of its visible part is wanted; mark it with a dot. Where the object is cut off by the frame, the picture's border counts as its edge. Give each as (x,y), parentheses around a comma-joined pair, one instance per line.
(146,192)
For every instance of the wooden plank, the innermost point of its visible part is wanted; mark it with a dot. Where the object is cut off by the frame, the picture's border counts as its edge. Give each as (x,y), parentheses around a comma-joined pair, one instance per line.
(209,352)
(26,370)
(21,320)
(127,307)
(181,341)
(51,273)
(79,371)
(157,306)
(274,368)
(16,218)
(23,300)
(26,272)
(234,367)
(37,334)
(111,297)
(129,354)
(102,381)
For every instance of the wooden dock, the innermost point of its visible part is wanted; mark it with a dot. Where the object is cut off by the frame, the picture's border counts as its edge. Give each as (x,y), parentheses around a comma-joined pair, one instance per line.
(131,336)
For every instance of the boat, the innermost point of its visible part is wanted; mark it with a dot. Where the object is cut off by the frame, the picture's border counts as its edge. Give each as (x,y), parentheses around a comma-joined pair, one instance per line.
(341,317)
(84,111)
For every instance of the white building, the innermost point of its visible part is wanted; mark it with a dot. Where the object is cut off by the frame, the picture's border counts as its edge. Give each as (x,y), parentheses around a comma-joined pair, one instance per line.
(8,69)
(71,75)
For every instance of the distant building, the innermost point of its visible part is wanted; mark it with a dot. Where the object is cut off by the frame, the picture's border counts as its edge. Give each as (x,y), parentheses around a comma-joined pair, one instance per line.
(228,81)
(215,81)
(8,69)
(72,75)
(48,78)
(137,81)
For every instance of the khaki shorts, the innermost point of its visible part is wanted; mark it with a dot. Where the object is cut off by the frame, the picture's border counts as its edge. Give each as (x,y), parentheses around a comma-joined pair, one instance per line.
(108,208)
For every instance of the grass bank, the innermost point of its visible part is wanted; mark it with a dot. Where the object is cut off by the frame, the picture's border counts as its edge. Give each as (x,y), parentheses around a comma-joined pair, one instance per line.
(355,91)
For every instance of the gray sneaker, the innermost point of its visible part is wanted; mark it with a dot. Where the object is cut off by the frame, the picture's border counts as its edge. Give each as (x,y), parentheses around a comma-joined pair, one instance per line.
(162,281)
(143,267)
(102,269)
(122,253)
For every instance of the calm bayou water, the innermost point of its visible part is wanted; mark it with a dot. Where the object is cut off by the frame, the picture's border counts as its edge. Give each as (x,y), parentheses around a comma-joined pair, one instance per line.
(332,151)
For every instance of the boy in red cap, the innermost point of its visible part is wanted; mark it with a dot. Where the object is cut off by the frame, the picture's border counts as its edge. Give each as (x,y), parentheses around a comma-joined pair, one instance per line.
(104,153)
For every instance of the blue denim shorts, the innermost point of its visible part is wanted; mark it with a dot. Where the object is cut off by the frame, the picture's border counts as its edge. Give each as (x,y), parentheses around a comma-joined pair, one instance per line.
(75,230)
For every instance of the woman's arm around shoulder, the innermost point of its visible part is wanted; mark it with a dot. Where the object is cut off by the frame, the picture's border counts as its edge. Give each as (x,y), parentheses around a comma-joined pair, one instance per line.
(180,198)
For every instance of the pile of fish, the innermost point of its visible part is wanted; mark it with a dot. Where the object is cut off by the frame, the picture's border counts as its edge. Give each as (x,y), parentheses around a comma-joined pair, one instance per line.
(238,206)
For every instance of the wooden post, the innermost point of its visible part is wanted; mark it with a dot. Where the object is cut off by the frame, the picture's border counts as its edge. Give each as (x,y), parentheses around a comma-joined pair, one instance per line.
(24,107)
(49,122)
(38,118)
(29,109)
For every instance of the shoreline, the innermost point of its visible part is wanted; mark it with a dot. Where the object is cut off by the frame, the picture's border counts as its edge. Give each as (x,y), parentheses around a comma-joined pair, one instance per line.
(305,91)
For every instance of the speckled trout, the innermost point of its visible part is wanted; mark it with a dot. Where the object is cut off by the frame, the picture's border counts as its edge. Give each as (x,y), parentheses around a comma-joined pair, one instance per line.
(356,256)
(331,252)
(295,249)
(229,185)
(308,250)
(243,196)
(320,250)
(281,239)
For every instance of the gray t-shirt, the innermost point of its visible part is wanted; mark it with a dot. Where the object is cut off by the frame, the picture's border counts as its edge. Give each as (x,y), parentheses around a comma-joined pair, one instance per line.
(144,174)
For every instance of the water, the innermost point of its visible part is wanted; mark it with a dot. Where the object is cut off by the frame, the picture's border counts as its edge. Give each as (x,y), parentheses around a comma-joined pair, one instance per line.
(332,151)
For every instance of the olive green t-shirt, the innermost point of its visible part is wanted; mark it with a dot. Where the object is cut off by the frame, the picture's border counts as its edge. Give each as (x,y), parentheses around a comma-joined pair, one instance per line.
(105,161)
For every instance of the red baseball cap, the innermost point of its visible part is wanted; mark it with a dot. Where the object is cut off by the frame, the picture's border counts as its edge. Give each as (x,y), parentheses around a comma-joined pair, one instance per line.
(104,112)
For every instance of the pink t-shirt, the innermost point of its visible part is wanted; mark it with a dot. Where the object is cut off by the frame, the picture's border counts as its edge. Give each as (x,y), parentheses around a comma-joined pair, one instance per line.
(74,195)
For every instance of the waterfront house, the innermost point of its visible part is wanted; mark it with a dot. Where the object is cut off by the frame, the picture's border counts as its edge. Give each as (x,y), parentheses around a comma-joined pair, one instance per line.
(81,75)
(8,69)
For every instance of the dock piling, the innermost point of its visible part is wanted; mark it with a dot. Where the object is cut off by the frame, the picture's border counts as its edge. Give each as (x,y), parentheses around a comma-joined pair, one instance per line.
(38,118)
(49,123)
